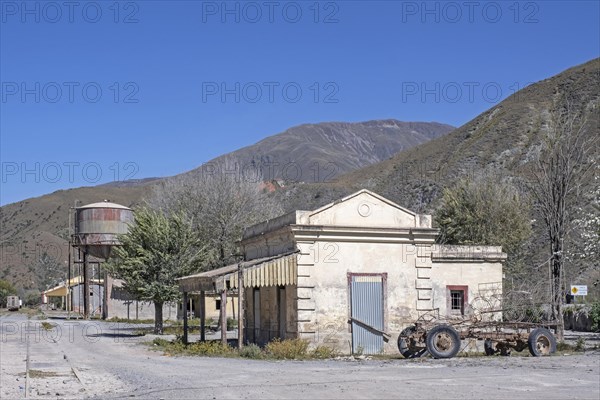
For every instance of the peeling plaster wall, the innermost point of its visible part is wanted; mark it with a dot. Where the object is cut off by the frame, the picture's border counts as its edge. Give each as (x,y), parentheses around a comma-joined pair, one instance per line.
(326,297)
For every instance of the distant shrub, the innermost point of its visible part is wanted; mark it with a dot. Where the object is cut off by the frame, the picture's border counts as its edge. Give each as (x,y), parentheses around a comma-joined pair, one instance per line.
(231,324)
(289,349)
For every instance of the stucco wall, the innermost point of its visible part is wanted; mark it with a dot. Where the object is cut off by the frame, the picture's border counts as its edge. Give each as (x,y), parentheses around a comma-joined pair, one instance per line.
(327,288)
(120,304)
(356,210)
(477,276)
(414,286)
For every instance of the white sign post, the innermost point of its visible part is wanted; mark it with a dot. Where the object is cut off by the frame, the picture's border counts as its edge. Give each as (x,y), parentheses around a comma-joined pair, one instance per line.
(579,290)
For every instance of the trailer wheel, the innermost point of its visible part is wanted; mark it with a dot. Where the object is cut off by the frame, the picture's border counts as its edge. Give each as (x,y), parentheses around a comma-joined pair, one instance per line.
(443,341)
(488,346)
(407,346)
(541,342)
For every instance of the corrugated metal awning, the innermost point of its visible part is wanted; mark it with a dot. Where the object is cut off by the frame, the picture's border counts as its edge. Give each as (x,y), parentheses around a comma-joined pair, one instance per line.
(78,280)
(280,270)
(61,290)
(58,291)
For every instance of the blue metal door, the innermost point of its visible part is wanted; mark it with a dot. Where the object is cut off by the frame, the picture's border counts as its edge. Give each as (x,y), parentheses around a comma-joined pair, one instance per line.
(366,292)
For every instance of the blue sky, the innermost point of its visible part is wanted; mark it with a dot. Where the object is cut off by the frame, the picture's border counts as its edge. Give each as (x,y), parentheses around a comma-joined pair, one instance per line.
(99,91)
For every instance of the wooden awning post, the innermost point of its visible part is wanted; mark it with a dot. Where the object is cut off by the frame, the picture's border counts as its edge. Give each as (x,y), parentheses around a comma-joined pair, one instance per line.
(240,306)
(185,318)
(224,317)
(202,316)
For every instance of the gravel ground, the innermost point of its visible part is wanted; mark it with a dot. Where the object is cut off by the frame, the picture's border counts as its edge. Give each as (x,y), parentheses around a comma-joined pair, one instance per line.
(89,359)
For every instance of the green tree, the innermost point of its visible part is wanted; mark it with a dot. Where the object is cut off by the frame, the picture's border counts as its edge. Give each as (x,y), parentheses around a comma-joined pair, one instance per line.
(485,212)
(32,298)
(6,289)
(157,249)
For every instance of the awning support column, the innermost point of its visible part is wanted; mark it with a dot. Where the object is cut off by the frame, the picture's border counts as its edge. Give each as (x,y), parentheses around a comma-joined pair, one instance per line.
(240,307)
(202,316)
(185,317)
(224,317)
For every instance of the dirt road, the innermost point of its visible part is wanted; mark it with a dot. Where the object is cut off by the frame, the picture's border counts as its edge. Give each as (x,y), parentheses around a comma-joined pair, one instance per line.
(83,359)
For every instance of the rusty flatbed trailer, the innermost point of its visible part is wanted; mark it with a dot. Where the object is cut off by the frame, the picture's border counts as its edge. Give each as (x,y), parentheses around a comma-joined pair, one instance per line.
(503,323)
(444,340)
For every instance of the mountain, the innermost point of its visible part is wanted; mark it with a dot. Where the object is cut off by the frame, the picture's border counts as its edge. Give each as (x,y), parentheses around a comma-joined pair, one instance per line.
(500,142)
(34,231)
(321,152)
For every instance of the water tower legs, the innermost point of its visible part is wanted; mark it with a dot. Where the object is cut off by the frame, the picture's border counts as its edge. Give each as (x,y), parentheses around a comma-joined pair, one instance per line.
(86,287)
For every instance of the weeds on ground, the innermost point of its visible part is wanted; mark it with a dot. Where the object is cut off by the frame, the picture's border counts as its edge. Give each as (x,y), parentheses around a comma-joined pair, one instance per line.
(563,346)
(251,351)
(580,345)
(177,347)
(35,373)
(48,326)
(324,352)
(290,349)
(131,321)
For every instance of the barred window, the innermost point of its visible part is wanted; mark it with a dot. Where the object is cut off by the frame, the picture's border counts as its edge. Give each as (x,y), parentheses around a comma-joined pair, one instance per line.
(457,302)
(457,299)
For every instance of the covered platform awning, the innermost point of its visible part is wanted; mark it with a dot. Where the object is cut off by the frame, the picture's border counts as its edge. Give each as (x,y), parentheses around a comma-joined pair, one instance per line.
(279,270)
(58,291)
(61,290)
(78,280)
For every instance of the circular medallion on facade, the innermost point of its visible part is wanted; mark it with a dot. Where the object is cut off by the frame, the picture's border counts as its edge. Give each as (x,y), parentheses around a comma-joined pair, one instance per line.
(364,209)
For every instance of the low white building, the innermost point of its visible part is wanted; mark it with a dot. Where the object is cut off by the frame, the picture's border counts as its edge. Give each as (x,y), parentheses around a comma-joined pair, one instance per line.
(349,274)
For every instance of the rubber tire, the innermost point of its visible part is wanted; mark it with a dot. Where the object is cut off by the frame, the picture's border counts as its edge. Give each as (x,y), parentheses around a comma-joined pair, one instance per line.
(537,334)
(403,346)
(488,347)
(432,337)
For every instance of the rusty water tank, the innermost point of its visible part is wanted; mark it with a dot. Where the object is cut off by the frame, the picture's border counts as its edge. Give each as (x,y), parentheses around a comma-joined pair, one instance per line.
(98,225)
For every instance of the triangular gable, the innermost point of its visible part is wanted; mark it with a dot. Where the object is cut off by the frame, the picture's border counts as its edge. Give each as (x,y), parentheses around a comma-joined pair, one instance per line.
(366,209)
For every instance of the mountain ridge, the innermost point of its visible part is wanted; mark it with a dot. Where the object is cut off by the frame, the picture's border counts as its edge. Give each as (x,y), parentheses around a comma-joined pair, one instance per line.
(39,225)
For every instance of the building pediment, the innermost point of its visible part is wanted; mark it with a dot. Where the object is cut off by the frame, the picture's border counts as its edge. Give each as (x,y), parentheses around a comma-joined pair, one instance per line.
(366,209)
